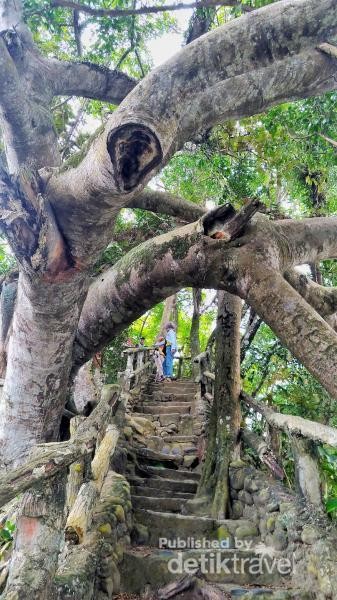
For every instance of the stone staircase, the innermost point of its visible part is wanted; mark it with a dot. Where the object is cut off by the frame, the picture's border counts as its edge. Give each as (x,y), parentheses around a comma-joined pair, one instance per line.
(165,536)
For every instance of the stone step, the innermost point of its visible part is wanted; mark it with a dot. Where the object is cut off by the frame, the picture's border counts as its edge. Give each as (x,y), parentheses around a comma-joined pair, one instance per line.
(173,473)
(147,455)
(171,485)
(180,439)
(263,593)
(161,397)
(169,526)
(169,446)
(174,382)
(174,418)
(235,567)
(163,408)
(142,490)
(171,391)
(241,533)
(136,413)
(174,386)
(161,504)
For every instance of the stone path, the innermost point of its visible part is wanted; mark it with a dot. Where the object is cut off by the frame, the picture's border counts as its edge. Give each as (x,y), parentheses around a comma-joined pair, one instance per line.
(163,483)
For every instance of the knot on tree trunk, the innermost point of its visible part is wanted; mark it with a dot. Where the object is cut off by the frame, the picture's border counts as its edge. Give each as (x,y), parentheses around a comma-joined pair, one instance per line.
(134,151)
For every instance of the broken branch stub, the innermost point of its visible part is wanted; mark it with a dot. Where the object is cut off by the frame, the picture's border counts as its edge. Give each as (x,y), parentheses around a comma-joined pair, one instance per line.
(225,223)
(29,224)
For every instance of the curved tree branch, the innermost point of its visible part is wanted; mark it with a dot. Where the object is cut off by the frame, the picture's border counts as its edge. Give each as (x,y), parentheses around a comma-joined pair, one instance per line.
(167,204)
(25,95)
(323,434)
(323,299)
(187,256)
(90,80)
(210,80)
(145,10)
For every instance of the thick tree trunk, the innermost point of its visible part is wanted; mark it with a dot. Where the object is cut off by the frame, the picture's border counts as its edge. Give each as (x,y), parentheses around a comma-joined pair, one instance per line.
(39,362)
(225,418)
(38,540)
(169,313)
(195,329)
(306,470)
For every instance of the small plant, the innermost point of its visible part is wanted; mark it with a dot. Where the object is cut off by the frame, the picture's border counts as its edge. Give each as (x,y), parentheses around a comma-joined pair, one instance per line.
(6,536)
(331,505)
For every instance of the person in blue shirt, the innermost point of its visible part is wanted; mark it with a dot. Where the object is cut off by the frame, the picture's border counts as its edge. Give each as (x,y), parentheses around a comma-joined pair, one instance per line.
(171,347)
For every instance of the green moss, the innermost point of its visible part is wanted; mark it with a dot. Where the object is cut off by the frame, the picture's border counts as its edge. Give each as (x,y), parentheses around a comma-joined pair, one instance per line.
(149,254)
(119,512)
(105,529)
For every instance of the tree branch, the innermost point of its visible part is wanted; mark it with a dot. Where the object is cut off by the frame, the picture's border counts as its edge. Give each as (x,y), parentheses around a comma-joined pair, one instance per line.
(323,299)
(310,339)
(253,326)
(30,228)
(265,454)
(77,32)
(26,122)
(153,271)
(158,117)
(167,204)
(187,256)
(312,430)
(90,80)
(145,10)
(48,459)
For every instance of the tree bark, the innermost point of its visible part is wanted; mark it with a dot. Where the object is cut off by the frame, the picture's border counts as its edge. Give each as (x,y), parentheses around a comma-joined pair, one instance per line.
(307,472)
(39,363)
(225,418)
(195,329)
(169,313)
(316,432)
(38,539)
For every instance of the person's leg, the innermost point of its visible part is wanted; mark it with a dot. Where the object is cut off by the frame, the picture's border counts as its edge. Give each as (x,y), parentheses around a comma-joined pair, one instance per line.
(165,365)
(162,358)
(169,362)
(159,367)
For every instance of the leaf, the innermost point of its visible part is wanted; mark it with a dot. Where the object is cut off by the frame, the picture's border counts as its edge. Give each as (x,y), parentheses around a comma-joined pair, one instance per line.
(331,505)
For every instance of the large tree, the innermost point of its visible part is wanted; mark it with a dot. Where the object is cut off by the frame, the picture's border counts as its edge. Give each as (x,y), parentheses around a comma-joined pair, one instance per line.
(58,219)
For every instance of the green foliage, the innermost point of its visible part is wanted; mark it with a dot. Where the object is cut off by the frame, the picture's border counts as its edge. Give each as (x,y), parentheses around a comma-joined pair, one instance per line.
(6,536)
(113,359)
(331,505)
(7,260)
(279,156)
(328,468)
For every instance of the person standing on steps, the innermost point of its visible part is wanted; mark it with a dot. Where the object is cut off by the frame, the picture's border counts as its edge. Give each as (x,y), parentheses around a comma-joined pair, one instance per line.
(159,357)
(171,347)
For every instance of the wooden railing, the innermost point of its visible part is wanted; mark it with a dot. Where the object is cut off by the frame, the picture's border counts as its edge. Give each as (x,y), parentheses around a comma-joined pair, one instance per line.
(139,365)
(79,465)
(205,376)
